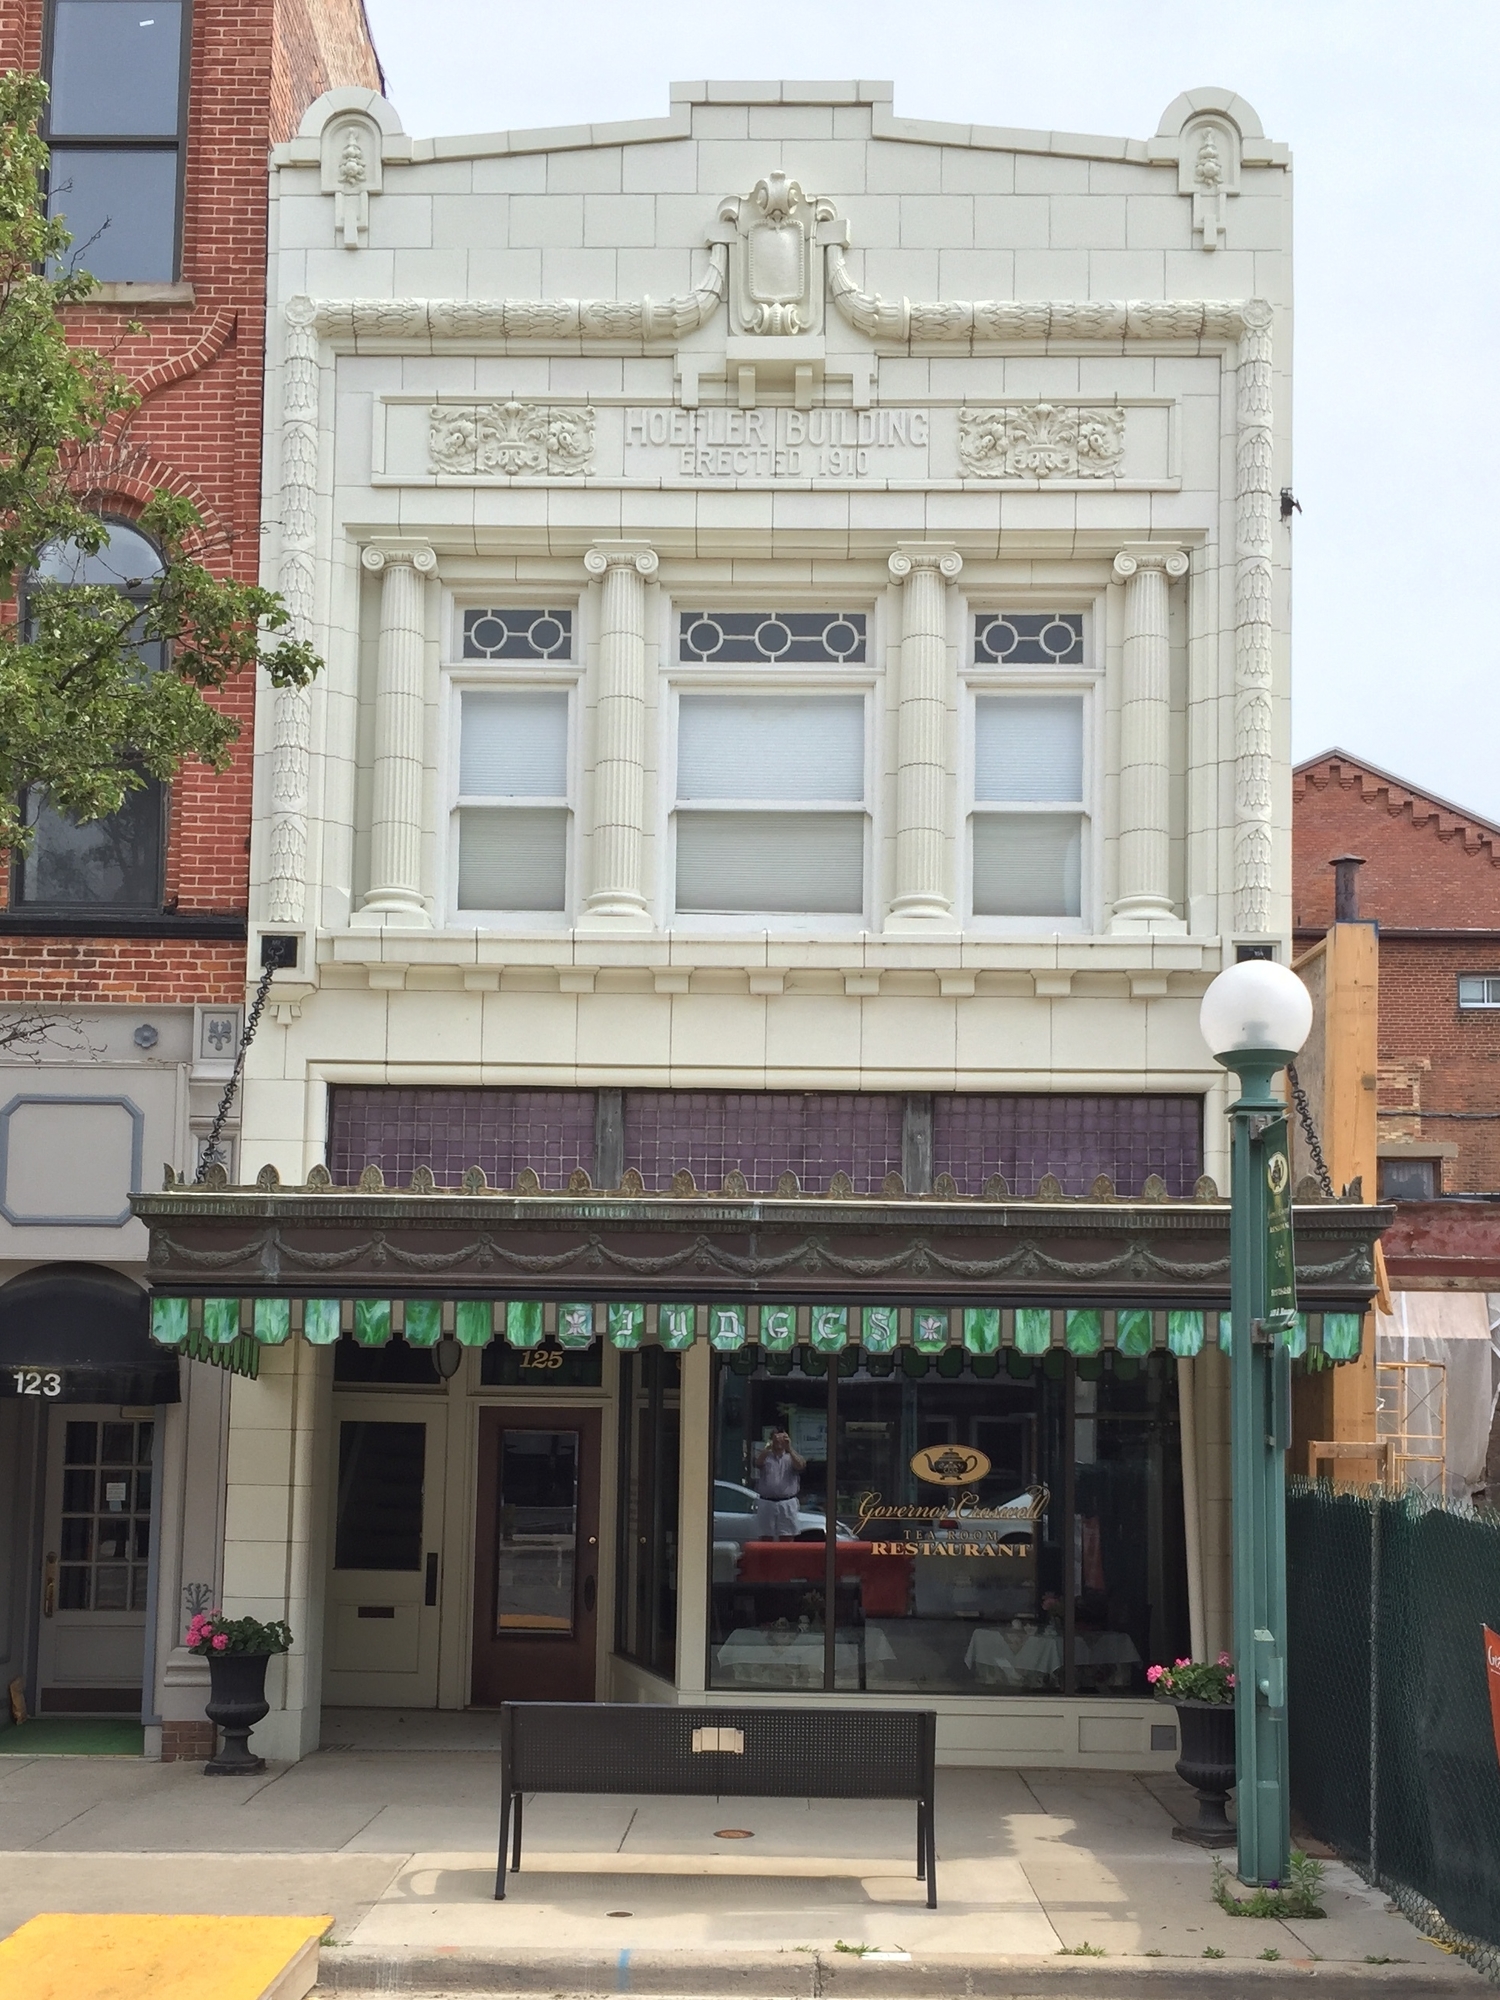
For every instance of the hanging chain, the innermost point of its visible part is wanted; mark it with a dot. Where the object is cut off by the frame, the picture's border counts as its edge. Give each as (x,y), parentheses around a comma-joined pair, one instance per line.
(213,1153)
(1310,1132)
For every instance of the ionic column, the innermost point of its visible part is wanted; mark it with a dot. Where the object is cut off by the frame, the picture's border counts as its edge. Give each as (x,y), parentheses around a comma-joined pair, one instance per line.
(1144,901)
(617,899)
(395,894)
(924,888)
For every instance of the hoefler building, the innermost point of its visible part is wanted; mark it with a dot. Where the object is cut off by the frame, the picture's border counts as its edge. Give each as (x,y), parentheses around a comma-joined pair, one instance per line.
(1419,953)
(805,719)
(130,933)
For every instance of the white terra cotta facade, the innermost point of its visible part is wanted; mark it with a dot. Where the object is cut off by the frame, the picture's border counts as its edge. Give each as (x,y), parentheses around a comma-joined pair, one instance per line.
(999,420)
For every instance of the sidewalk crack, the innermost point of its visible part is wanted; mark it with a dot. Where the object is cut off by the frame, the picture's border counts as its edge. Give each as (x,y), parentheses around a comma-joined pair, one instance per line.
(634,1815)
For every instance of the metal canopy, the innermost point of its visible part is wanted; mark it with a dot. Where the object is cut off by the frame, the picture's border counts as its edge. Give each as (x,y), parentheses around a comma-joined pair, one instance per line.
(930,1271)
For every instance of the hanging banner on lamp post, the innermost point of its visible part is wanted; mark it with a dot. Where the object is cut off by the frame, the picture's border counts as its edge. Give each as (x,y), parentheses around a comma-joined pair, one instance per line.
(1281,1259)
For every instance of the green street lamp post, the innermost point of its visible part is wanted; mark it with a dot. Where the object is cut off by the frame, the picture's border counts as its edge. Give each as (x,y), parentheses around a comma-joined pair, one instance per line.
(1255,1017)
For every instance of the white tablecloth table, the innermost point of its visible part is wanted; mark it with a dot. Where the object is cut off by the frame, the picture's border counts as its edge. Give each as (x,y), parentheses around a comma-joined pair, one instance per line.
(795,1659)
(1001,1656)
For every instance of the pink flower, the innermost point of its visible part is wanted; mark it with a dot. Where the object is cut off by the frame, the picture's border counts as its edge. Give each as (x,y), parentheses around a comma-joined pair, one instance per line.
(1182,1663)
(221,1644)
(1229,1680)
(1225,1660)
(1153,1674)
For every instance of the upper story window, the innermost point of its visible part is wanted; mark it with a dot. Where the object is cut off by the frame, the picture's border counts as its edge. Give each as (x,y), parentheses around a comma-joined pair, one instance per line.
(772,638)
(505,633)
(770,803)
(1409,1180)
(1028,639)
(513,809)
(116,862)
(116,123)
(1478,989)
(1029,813)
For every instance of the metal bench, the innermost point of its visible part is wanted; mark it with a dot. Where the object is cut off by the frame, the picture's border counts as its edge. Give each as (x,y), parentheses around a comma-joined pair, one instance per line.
(644,1749)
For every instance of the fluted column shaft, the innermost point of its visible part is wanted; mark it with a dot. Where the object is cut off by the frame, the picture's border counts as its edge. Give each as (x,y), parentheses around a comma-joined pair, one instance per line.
(1145,829)
(924,887)
(617,898)
(395,893)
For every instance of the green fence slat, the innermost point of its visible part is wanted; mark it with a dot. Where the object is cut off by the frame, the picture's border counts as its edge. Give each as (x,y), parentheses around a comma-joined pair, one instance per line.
(879,1329)
(320,1321)
(1083,1330)
(424,1322)
(169,1321)
(474,1324)
(273,1321)
(626,1325)
(1185,1333)
(372,1322)
(1033,1329)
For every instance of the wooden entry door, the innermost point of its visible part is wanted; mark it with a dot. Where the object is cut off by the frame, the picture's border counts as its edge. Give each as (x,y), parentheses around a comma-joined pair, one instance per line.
(91,1643)
(536,1555)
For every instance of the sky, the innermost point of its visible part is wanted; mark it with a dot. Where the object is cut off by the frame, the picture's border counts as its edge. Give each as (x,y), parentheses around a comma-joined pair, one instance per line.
(1389,111)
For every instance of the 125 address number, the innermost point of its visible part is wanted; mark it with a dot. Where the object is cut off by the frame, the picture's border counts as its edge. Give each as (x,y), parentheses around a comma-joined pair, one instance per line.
(36,1381)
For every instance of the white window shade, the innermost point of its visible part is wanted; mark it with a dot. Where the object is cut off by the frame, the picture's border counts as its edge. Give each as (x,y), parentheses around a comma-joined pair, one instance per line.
(1028,749)
(1028,864)
(791,748)
(512,857)
(730,862)
(513,745)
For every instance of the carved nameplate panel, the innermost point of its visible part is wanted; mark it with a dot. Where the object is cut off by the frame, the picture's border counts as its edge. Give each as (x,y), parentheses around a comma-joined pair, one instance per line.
(1018,443)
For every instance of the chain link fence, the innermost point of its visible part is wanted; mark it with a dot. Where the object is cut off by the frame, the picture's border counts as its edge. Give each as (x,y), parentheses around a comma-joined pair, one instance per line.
(1393,1753)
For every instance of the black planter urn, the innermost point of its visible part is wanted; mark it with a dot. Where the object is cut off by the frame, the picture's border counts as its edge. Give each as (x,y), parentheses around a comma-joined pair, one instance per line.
(1207,1764)
(236,1702)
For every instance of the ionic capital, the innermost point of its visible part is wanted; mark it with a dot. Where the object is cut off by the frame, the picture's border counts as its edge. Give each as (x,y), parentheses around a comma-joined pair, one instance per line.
(605,556)
(939,556)
(419,556)
(1164,556)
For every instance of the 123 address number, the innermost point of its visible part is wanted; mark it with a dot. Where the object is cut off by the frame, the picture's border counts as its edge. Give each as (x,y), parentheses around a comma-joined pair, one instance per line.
(36,1381)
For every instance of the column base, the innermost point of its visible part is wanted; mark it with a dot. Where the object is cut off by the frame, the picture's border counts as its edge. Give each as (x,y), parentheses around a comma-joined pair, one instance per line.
(377,913)
(1141,916)
(615,914)
(920,916)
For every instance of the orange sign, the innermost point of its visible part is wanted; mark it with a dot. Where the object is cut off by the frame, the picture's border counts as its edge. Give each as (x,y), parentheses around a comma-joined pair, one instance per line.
(1492,1673)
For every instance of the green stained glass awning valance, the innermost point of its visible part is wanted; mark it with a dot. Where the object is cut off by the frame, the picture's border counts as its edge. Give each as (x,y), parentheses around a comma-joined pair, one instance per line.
(213,1327)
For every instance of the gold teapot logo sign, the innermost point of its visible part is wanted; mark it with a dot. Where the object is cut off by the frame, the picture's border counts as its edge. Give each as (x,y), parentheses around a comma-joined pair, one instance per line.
(1277,1173)
(949,1465)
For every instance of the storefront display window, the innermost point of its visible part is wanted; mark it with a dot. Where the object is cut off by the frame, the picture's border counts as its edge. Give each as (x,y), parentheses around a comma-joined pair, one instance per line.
(1001,1523)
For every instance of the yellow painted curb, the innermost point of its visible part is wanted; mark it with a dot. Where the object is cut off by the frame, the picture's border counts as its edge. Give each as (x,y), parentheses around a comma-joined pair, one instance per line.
(57,1957)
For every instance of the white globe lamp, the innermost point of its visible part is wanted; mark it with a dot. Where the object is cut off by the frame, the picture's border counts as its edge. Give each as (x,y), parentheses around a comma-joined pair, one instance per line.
(1256,1010)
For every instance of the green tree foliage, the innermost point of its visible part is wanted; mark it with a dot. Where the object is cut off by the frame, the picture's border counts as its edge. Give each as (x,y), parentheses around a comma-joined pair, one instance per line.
(80,715)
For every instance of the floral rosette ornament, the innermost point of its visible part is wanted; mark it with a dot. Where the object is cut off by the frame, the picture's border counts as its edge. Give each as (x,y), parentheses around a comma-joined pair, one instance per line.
(1195,1680)
(211,1634)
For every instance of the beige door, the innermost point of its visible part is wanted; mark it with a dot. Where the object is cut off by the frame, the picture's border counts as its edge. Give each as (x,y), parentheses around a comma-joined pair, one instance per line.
(386,1576)
(96,1551)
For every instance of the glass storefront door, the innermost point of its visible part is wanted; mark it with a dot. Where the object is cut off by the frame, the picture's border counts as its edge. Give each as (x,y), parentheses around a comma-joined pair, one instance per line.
(536,1556)
(1000,1524)
(91,1642)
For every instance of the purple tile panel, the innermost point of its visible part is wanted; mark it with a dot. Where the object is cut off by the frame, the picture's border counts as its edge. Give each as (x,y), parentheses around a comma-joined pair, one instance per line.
(551,1131)
(764,1133)
(1076,1138)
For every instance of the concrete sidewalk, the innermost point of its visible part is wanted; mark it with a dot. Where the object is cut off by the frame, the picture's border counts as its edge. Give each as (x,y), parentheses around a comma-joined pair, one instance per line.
(398,1844)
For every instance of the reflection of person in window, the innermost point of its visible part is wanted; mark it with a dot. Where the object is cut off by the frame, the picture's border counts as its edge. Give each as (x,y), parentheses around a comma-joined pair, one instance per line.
(778,1481)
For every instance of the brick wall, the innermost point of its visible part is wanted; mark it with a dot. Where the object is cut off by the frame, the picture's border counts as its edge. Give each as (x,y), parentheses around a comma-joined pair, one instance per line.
(256,66)
(1429,867)
(1427,864)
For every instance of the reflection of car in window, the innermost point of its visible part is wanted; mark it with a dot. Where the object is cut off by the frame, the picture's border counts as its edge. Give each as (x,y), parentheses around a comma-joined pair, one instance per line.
(734,1516)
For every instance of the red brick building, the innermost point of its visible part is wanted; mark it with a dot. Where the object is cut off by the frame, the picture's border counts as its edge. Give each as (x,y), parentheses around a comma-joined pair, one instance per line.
(1431,881)
(129,934)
